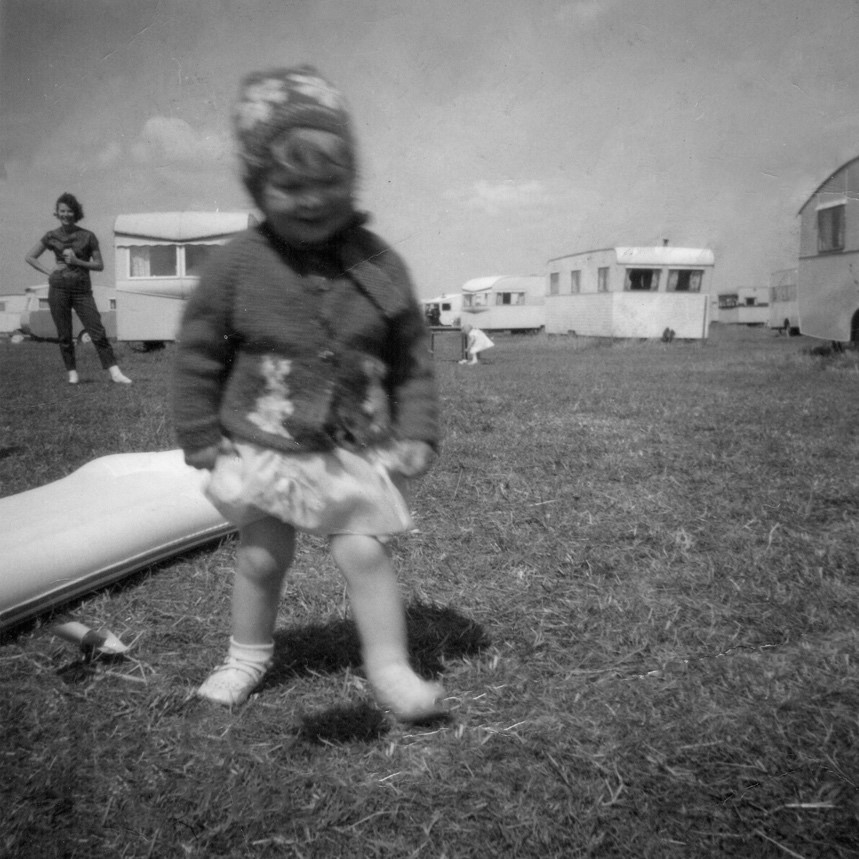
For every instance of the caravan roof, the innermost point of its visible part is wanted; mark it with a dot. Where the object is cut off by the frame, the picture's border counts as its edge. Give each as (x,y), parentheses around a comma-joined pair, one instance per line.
(481,284)
(181,226)
(658,255)
(662,255)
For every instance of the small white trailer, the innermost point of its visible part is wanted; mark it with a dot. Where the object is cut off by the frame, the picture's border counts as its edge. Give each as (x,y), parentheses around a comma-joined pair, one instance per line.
(748,305)
(630,292)
(784,306)
(505,303)
(159,256)
(828,272)
(12,305)
(443,309)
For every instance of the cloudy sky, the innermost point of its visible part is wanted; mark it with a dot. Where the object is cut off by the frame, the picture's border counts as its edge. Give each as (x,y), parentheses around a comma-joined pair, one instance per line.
(494,134)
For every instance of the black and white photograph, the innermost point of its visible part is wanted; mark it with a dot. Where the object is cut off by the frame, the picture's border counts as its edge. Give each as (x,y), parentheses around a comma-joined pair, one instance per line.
(429,429)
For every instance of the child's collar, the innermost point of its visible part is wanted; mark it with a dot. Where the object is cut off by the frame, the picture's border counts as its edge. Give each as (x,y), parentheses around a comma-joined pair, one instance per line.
(355,252)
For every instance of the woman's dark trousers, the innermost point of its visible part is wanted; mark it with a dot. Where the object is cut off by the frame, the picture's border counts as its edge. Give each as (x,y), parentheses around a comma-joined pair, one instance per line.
(63,298)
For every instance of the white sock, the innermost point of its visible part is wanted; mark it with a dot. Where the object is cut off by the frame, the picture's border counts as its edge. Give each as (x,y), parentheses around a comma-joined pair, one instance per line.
(73,377)
(253,653)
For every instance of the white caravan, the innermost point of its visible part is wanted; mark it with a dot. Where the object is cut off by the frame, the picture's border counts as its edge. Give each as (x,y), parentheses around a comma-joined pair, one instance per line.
(636,292)
(828,276)
(784,306)
(505,303)
(443,309)
(159,256)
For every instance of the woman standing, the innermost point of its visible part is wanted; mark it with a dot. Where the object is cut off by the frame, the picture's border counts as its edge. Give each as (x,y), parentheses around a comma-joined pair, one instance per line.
(77,253)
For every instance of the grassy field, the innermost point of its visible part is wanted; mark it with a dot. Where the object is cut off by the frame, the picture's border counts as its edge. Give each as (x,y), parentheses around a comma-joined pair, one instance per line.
(636,572)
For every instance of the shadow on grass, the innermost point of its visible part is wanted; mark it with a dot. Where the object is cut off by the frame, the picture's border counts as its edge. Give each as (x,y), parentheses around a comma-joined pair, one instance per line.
(436,633)
(361,723)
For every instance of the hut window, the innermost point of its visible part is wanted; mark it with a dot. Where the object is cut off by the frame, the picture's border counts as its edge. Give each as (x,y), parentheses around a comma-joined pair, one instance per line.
(575,282)
(554,280)
(643,279)
(685,280)
(830,229)
(153,261)
(727,301)
(602,279)
(509,298)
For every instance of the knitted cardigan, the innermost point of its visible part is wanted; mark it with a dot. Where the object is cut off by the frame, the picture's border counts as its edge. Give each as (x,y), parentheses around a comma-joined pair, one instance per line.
(301,350)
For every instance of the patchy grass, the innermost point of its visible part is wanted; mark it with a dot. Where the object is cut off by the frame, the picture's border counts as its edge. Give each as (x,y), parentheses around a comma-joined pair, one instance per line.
(636,571)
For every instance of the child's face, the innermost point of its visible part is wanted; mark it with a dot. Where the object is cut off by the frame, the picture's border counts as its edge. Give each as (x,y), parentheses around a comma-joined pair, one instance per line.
(307,210)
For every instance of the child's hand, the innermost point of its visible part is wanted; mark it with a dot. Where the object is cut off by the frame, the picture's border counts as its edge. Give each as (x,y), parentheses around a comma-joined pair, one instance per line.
(410,458)
(69,256)
(205,457)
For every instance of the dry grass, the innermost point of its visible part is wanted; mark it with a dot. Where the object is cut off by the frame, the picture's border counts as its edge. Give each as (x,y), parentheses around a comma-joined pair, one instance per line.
(637,572)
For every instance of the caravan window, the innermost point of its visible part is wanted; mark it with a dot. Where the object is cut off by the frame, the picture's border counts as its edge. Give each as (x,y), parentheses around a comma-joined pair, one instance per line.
(195,258)
(575,282)
(783,292)
(153,261)
(509,298)
(644,279)
(602,279)
(685,280)
(830,229)
(476,299)
(554,280)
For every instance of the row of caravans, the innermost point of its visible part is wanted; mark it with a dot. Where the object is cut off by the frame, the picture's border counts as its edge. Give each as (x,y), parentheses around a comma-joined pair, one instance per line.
(642,291)
(613,292)
(775,306)
(636,292)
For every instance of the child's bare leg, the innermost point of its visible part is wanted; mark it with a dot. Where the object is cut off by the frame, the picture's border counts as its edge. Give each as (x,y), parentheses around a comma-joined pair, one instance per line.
(380,618)
(265,553)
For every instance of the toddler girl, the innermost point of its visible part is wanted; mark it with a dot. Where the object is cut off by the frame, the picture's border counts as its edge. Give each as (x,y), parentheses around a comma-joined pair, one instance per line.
(476,342)
(304,382)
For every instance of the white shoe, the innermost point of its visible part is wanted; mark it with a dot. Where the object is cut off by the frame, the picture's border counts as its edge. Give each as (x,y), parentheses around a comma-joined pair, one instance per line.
(119,377)
(233,682)
(398,689)
(73,377)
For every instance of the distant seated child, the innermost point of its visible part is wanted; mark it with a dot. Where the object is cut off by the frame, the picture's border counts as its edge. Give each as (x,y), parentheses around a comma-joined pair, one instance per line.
(475,343)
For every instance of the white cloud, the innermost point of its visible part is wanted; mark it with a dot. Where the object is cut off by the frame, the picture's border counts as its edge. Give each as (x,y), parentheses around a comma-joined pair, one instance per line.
(167,140)
(495,198)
